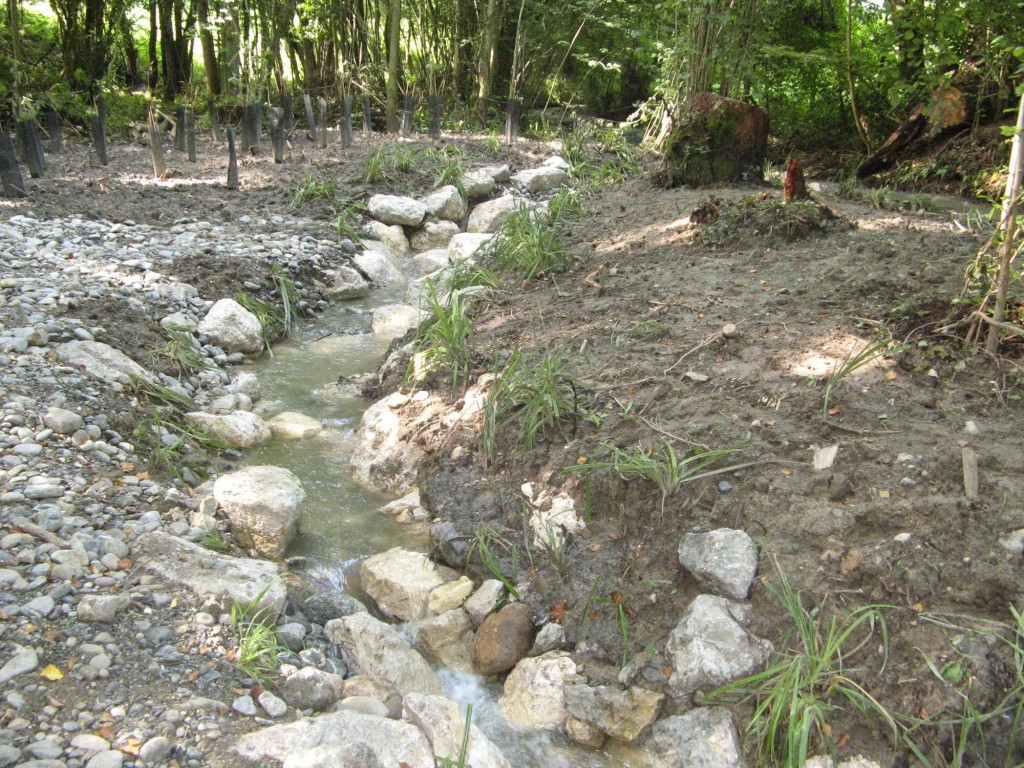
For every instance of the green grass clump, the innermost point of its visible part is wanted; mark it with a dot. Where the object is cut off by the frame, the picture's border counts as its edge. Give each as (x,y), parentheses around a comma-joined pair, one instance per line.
(347,220)
(272,322)
(184,351)
(525,247)
(664,467)
(258,646)
(314,190)
(443,340)
(537,397)
(812,677)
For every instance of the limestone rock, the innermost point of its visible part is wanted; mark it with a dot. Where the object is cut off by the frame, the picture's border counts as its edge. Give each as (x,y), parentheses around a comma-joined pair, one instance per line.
(441,722)
(710,646)
(431,261)
(407,509)
(489,216)
(534,693)
(702,738)
(445,203)
(62,421)
(478,185)
(379,458)
(392,235)
(434,234)
(379,265)
(500,173)
(233,328)
(482,602)
(329,604)
(465,245)
(372,647)
(375,688)
(311,688)
(391,741)
(446,640)
(219,581)
(550,638)
(622,715)
(103,362)
(723,561)
(450,595)
(343,755)
(400,582)
(102,608)
(392,320)
(263,503)
(348,283)
(238,429)
(542,179)
(292,425)
(23,661)
(503,639)
(394,209)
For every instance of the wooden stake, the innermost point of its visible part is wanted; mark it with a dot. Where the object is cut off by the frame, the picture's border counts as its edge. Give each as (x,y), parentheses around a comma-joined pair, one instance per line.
(322,127)
(232,160)
(99,130)
(367,117)
(156,147)
(190,134)
(310,122)
(970,464)
(10,173)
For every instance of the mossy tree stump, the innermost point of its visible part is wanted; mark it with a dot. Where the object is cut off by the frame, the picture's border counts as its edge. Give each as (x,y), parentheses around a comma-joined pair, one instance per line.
(716,140)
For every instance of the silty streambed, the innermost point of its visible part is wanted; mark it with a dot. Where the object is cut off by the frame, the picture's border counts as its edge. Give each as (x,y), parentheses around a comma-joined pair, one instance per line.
(342,523)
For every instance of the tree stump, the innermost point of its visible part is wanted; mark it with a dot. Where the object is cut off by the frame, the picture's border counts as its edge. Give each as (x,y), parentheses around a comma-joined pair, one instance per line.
(156,147)
(31,147)
(794,187)
(435,116)
(715,140)
(179,129)
(10,174)
(277,121)
(512,117)
(190,134)
(367,117)
(310,122)
(54,131)
(288,124)
(346,122)
(232,161)
(252,123)
(322,128)
(408,113)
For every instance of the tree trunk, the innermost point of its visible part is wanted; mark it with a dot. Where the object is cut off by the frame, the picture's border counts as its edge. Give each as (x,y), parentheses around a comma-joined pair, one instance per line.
(210,63)
(485,66)
(13,19)
(394,35)
(154,60)
(168,50)
(858,119)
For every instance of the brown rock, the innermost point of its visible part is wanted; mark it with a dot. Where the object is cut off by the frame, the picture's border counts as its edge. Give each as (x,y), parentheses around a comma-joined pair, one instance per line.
(503,639)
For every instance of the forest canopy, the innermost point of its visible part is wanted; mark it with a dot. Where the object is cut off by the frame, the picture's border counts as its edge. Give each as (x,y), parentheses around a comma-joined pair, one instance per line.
(819,68)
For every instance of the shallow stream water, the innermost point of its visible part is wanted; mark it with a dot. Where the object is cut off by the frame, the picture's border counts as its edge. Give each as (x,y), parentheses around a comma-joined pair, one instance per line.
(342,523)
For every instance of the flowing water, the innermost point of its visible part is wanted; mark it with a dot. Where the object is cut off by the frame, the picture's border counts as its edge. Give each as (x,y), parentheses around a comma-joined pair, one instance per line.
(342,522)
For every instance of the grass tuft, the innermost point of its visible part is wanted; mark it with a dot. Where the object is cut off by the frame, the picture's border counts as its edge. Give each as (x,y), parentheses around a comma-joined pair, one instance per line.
(258,646)
(525,247)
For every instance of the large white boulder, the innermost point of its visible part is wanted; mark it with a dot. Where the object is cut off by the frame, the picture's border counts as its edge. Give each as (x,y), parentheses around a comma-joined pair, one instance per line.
(445,203)
(534,693)
(393,209)
(392,235)
(541,179)
(431,261)
(489,216)
(262,503)
(702,738)
(233,328)
(377,263)
(478,184)
(236,429)
(400,582)
(371,647)
(218,580)
(711,646)
(348,283)
(103,362)
(446,640)
(433,234)
(392,320)
(312,741)
(622,715)
(723,561)
(466,244)
(292,425)
(379,459)
(441,722)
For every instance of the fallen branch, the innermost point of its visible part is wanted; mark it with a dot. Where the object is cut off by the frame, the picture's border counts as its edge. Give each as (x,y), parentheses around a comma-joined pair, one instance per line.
(979,315)
(41,533)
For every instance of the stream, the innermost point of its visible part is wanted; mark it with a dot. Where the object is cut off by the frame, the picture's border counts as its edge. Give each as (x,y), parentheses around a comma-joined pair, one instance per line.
(341,521)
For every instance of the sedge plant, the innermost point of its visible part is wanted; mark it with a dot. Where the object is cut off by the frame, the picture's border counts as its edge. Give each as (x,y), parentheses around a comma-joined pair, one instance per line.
(258,645)
(443,340)
(525,247)
(812,678)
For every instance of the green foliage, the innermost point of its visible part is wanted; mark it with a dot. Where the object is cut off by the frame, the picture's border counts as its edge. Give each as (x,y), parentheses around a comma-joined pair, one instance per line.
(258,646)
(460,760)
(183,351)
(289,295)
(314,190)
(564,206)
(272,322)
(619,605)
(214,541)
(811,678)
(525,247)
(165,440)
(665,468)
(443,340)
(347,220)
(483,539)
(537,397)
